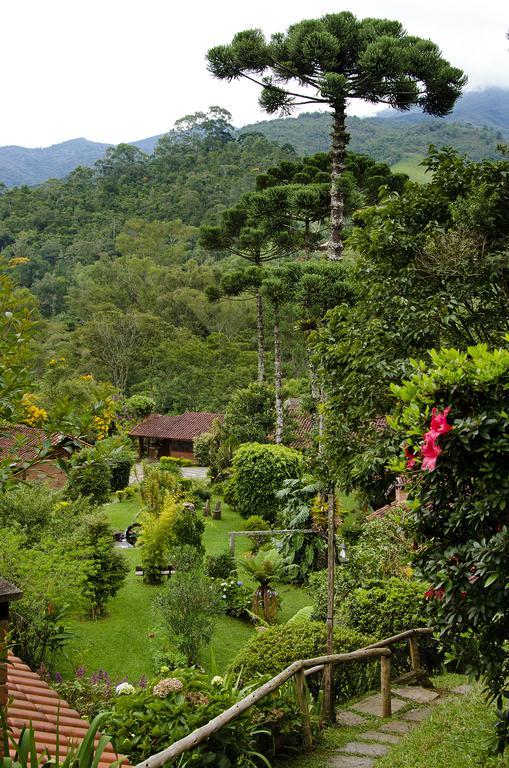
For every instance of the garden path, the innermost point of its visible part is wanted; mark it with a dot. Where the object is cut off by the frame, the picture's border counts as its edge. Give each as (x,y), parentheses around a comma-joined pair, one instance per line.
(412,703)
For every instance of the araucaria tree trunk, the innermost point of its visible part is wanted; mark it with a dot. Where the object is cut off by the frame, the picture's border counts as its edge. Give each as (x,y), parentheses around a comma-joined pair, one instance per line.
(261,338)
(339,141)
(278,379)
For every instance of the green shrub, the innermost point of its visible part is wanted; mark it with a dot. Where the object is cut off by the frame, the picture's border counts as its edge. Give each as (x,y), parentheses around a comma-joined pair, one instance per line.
(237,598)
(220,566)
(127,494)
(175,461)
(270,651)
(154,487)
(188,607)
(140,406)
(89,477)
(29,506)
(188,529)
(144,721)
(257,523)
(107,567)
(258,473)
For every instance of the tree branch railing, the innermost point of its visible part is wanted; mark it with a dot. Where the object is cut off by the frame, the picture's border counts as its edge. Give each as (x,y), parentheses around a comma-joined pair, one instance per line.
(299,670)
(234,534)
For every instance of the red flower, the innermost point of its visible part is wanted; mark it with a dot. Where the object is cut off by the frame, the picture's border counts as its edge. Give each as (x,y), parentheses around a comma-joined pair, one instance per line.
(410,457)
(439,424)
(430,452)
(439,594)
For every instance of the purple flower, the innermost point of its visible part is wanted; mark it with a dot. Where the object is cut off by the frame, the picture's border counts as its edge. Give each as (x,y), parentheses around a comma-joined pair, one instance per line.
(143,682)
(80,672)
(58,677)
(240,583)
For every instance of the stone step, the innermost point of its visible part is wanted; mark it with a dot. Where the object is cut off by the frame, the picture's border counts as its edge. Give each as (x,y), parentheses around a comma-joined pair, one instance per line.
(416,715)
(350,761)
(350,719)
(383,738)
(365,750)
(396,726)
(372,705)
(416,693)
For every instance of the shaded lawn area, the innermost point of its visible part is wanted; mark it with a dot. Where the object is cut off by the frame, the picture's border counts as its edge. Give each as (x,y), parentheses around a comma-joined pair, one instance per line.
(124,642)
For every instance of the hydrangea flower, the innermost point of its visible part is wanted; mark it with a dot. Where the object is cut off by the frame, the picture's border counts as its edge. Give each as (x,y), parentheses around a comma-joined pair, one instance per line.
(217,680)
(124,688)
(166,686)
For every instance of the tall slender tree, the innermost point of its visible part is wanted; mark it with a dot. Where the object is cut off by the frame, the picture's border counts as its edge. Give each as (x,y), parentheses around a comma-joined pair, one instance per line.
(332,61)
(243,233)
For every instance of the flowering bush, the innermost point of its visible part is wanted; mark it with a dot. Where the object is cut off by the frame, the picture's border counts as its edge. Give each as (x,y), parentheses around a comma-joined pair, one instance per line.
(460,506)
(168,709)
(237,597)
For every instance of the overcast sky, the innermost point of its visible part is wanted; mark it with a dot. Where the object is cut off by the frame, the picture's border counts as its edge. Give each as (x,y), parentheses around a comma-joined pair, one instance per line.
(121,70)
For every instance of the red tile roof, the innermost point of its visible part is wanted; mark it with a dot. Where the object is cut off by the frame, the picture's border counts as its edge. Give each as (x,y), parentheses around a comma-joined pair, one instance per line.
(33,701)
(19,443)
(185,427)
(302,424)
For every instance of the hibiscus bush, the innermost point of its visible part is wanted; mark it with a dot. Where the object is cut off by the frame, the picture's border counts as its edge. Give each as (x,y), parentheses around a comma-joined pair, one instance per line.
(453,418)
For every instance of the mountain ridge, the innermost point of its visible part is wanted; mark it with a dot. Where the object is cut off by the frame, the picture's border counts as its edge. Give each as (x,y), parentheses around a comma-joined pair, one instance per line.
(479,121)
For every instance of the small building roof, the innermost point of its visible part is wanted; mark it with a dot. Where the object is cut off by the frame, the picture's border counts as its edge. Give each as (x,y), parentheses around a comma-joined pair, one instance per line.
(189,425)
(302,424)
(20,443)
(33,701)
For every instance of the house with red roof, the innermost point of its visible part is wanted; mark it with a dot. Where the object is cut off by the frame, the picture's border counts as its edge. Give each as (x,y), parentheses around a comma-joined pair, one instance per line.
(160,435)
(32,453)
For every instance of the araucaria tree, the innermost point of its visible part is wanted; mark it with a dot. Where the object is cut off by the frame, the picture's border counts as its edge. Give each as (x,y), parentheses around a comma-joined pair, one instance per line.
(333,60)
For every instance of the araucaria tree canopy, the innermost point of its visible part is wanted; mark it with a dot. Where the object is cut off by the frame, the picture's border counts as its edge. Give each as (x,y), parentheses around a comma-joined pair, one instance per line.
(332,60)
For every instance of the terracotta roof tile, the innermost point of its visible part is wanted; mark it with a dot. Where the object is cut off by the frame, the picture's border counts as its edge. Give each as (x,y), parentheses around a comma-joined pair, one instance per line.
(185,427)
(302,426)
(33,701)
(20,443)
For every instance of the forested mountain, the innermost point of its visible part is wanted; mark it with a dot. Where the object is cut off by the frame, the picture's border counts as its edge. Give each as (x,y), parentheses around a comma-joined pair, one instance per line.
(114,264)
(489,108)
(390,137)
(385,139)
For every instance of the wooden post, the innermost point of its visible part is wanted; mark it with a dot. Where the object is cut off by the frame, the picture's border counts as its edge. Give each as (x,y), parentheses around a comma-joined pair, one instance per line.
(206,508)
(385,685)
(217,511)
(232,544)
(302,699)
(328,672)
(415,659)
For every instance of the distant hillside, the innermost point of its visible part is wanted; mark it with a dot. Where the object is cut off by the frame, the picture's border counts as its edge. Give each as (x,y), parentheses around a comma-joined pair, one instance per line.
(384,139)
(20,165)
(489,107)
(479,122)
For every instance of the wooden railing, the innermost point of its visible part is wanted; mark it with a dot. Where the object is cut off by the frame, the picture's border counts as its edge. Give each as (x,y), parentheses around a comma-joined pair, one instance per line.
(300,670)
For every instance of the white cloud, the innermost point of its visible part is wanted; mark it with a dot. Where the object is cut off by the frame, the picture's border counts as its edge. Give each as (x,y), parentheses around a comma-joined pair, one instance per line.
(119,70)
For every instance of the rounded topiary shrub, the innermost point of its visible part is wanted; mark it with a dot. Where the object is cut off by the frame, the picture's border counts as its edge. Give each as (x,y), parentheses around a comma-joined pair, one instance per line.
(270,651)
(259,471)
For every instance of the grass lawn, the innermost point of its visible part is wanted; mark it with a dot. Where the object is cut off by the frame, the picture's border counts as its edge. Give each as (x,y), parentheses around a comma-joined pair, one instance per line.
(454,736)
(124,642)
(410,164)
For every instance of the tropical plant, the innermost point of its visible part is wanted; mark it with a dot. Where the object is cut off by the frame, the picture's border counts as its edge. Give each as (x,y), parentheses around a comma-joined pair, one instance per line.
(265,567)
(304,550)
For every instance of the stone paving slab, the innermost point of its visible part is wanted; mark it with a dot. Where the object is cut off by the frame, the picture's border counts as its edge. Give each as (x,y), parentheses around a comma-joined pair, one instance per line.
(366,750)
(373,705)
(462,690)
(416,715)
(348,718)
(416,693)
(350,761)
(384,738)
(396,726)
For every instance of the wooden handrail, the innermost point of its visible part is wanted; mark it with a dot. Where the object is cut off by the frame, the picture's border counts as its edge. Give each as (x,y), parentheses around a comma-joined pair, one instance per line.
(298,669)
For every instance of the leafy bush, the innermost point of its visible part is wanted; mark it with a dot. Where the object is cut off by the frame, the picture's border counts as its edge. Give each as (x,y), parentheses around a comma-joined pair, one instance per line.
(187,607)
(89,477)
(220,566)
(453,418)
(167,462)
(237,598)
(257,523)
(106,566)
(154,487)
(146,720)
(140,405)
(270,651)
(305,551)
(29,506)
(258,472)
(127,494)
(87,694)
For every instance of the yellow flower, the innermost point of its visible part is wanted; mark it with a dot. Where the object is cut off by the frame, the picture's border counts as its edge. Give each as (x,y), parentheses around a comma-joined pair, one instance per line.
(34,416)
